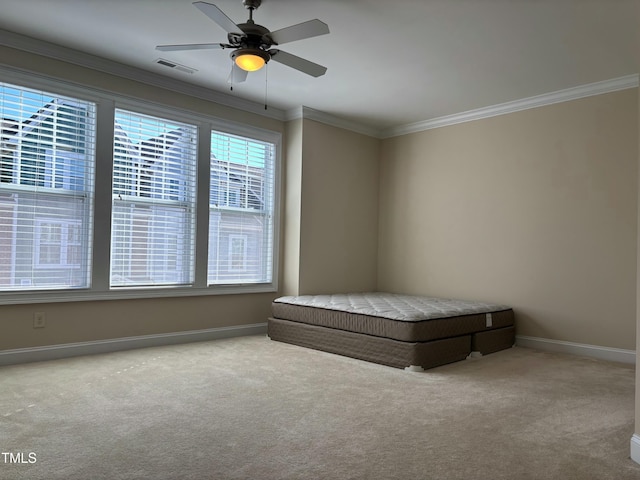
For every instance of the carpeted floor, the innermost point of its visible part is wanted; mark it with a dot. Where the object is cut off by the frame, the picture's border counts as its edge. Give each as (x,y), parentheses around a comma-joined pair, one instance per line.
(251,408)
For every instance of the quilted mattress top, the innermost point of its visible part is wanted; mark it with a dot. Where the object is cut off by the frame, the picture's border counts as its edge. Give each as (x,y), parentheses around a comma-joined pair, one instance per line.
(408,308)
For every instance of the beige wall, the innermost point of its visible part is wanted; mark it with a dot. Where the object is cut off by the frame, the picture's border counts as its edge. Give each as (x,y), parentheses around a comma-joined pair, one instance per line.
(334,184)
(292,207)
(535,209)
(87,321)
(329,228)
(71,322)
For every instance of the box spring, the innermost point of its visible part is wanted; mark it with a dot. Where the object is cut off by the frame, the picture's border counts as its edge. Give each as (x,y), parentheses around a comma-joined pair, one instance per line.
(491,341)
(385,351)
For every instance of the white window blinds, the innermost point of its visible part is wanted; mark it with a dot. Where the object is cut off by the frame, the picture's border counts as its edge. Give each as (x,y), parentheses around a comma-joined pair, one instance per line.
(241,207)
(95,210)
(47,152)
(154,192)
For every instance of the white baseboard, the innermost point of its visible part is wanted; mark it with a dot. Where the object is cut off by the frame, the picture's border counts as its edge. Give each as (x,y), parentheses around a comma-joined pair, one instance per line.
(594,351)
(53,352)
(635,448)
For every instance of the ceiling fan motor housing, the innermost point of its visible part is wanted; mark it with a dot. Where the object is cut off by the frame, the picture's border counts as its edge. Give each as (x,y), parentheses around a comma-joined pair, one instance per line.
(254,40)
(253,35)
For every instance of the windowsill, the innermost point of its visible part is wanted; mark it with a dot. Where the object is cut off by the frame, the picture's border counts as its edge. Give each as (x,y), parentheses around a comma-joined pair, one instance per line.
(80,295)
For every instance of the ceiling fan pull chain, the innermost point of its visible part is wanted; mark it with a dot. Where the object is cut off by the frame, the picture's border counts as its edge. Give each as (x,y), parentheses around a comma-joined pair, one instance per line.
(266,76)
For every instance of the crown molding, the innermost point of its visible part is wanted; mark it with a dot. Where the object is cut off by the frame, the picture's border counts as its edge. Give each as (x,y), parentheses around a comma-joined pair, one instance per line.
(328,119)
(574,93)
(57,52)
(68,55)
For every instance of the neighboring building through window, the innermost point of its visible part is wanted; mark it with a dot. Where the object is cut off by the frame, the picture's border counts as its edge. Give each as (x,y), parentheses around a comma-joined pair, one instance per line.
(154,192)
(150,233)
(241,210)
(46,189)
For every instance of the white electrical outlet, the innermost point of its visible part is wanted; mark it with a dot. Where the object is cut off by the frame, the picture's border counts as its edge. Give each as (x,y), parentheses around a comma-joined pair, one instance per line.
(39,320)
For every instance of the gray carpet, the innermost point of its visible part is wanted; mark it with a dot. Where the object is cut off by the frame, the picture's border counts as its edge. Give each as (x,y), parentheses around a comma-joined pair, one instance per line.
(251,408)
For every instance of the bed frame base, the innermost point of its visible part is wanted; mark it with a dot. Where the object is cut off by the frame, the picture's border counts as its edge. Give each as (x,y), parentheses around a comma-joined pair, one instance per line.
(385,351)
(491,341)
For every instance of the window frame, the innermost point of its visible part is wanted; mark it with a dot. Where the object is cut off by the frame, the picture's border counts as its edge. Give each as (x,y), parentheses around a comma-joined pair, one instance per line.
(106,104)
(224,175)
(145,204)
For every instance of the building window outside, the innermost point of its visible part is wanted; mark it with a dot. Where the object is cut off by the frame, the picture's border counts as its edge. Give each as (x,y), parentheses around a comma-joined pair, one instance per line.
(237,252)
(58,244)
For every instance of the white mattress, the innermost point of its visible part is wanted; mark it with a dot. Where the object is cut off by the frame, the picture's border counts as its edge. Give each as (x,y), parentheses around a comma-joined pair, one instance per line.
(406,308)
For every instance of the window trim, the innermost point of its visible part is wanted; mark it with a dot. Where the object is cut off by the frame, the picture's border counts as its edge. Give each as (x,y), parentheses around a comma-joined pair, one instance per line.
(106,104)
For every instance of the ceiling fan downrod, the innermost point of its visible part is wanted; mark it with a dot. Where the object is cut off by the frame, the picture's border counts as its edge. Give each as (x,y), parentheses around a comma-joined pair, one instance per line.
(251,5)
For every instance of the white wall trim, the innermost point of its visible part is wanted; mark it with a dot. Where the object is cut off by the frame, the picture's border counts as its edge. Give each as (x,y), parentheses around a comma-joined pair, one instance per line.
(332,120)
(591,89)
(635,448)
(53,352)
(594,351)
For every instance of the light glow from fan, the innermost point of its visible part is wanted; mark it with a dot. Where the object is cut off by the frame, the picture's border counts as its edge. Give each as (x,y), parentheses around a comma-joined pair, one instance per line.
(249,62)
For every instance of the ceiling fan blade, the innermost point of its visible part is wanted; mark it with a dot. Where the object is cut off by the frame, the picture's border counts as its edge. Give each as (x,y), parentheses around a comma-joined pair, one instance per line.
(218,16)
(293,61)
(303,30)
(189,46)
(237,75)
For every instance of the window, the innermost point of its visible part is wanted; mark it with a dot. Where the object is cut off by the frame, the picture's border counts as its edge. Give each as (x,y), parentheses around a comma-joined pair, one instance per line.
(108,197)
(241,197)
(46,189)
(154,191)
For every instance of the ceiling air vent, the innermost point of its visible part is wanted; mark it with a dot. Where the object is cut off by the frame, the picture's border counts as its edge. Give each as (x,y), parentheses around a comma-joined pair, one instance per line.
(175,66)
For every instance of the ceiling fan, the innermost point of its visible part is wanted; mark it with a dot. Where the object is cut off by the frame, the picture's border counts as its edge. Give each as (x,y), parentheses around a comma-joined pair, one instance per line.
(253,44)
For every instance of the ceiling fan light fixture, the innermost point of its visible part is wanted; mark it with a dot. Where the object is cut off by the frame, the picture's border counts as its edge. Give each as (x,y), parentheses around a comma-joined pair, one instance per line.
(250,59)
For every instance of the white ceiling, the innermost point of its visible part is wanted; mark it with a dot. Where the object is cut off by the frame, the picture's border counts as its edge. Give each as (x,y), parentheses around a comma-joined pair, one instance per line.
(390,63)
